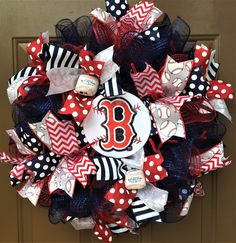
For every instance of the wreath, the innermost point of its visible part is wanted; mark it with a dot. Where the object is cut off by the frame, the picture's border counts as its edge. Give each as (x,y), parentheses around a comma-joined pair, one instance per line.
(116,121)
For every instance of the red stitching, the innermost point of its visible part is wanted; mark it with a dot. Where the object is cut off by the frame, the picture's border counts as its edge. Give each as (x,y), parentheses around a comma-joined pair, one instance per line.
(97,139)
(96,110)
(137,107)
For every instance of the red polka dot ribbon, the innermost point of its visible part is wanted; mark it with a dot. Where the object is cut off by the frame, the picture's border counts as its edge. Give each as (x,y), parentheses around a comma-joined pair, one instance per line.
(34,50)
(102,231)
(90,66)
(153,169)
(201,57)
(31,81)
(120,196)
(220,90)
(76,106)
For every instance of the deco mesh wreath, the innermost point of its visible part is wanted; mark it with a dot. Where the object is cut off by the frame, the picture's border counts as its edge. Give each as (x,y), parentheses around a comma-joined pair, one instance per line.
(116,122)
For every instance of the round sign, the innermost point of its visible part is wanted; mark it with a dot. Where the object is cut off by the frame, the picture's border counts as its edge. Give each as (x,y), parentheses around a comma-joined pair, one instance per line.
(117,126)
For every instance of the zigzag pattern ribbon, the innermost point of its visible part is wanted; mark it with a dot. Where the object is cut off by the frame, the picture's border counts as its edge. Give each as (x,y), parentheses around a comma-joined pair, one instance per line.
(62,136)
(147,82)
(80,167)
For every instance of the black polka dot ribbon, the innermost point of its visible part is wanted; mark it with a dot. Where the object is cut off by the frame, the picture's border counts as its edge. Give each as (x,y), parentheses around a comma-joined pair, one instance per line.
(152,34)
(43,165)
(196,85)
(117,8)
(28,138)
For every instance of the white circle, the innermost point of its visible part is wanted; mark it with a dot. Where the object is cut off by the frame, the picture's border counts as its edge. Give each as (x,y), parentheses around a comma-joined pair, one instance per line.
(152,38)
(204,53)
(194,77)
(117,1)
(148,32)
(122,201)
(63,109)
(151,163)
(33,49)
(69,97)
(29,163)
(130,201)
(41,157)
(112,200)
(85,112)
(147,172)
(45,167)
(201,87)
(37,165)
(91,68)
(159,168)
(157,177)
(223,91)
(72,105)
(75,114)
(215,87)
(52,168)
(33,140)
(112,190)
(122,191)
(123,6)
(95,131)
(196,59)
(217,96)
(42,174)
(99,66)
(192,86)
(112,7)
(231,96)
(35,149)
(118,12)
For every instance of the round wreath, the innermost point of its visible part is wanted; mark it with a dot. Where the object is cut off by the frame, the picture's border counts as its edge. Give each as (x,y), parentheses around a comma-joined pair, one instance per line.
(117,120)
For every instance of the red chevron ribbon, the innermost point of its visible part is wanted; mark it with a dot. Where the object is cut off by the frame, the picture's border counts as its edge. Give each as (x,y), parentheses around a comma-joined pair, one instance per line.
(81,166)
(18,171)
(62,136)
(147,82)
(177,101)
(139,12)
(9,159)
(211,160)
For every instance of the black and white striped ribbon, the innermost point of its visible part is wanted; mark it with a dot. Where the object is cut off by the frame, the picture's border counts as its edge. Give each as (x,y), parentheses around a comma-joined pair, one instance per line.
(112,87)
(25,72)
(117,229)
(109,169)
(60,57)
(141,212)
(212,68)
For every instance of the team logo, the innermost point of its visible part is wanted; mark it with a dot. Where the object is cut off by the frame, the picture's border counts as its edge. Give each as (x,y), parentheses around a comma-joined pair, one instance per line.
(117,126)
